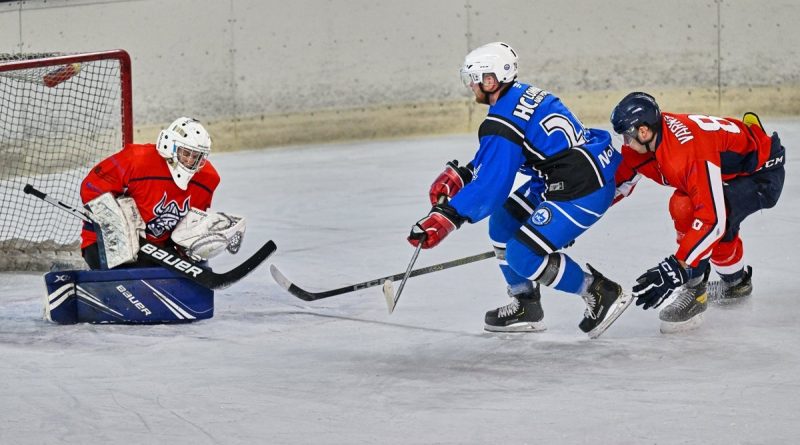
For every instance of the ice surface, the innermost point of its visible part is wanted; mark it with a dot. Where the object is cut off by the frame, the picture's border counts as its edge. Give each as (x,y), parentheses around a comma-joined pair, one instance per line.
(272,369)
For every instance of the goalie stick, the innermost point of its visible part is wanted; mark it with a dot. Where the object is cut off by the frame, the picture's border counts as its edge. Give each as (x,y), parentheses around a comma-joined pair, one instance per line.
(170,259)
(312,296)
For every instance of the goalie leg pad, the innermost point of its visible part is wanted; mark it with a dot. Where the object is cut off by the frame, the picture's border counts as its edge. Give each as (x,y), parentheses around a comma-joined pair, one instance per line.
(129,296)
(60,302)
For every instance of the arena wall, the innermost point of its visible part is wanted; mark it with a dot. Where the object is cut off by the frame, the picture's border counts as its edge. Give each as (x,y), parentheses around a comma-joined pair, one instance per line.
(268,72)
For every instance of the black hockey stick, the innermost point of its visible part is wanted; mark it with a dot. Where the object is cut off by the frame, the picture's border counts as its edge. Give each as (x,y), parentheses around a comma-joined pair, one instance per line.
(311,296)
(170,259)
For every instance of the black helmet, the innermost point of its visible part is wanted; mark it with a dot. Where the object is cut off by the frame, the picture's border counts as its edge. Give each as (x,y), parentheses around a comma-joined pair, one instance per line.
(634,110)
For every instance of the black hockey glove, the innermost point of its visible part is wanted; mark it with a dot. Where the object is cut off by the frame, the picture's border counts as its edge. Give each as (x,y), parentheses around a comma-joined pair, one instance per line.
(655,285)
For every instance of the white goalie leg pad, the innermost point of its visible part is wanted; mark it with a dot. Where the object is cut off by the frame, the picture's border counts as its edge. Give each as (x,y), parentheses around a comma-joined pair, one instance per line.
(119,226)
(207,234)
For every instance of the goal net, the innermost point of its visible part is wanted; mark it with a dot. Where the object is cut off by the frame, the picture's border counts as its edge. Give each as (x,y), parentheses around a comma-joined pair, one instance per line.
(59,115)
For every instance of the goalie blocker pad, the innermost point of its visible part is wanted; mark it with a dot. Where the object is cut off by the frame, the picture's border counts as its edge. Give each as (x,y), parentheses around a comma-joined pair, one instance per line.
(118,226)
(131,296)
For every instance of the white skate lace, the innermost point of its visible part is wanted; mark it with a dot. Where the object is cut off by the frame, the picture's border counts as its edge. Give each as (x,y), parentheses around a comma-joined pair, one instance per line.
(591,302)
(716,289)
(508,309)
(683,298)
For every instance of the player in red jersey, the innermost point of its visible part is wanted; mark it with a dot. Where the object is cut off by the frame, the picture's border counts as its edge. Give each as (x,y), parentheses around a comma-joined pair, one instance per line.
(165,180)
(723,170)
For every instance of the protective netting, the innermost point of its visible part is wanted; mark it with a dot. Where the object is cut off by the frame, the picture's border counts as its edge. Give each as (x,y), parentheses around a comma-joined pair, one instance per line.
(56,121)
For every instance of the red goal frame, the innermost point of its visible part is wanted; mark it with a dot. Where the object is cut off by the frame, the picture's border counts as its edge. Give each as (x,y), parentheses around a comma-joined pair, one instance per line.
(125,78)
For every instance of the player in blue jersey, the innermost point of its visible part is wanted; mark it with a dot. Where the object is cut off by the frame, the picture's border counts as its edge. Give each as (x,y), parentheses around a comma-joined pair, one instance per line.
(571,170)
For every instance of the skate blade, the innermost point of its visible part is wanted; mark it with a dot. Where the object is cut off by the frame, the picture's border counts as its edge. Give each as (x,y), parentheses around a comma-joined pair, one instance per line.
(536,326)
(622,303)
(669,327)
(730,301)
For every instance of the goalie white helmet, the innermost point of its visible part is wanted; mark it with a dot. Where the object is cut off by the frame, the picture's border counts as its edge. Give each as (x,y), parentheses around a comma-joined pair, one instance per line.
(493,58)
(185,145)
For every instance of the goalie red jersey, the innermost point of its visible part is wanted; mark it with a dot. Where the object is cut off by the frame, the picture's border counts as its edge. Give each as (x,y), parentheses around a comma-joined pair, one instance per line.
(695,155)
(139,171)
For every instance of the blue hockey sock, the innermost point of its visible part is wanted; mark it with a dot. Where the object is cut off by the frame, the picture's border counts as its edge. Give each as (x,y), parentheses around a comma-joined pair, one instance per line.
(572,278)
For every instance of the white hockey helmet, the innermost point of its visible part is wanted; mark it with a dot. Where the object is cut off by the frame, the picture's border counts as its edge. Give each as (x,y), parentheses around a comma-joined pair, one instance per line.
(185,145)
(496,58)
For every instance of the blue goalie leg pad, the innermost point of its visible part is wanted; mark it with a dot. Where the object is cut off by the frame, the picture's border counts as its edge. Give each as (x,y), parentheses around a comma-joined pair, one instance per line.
(60,303)
(137,295)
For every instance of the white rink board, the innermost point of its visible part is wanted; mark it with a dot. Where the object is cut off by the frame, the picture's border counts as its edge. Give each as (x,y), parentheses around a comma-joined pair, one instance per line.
(218,60)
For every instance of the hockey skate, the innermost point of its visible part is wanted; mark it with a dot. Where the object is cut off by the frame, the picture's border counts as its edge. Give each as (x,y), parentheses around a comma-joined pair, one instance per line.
(523,314)
(600,298)
(686,310)
(724,293)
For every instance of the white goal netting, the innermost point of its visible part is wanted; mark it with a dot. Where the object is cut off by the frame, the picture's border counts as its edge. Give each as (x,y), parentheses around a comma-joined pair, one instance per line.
(59,115)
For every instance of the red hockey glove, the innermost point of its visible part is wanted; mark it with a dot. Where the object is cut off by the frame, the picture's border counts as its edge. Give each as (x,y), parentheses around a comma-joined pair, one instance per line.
(432,229)
(450,181)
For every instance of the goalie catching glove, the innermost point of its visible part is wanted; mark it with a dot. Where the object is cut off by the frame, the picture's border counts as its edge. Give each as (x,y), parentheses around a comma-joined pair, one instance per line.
(205,235)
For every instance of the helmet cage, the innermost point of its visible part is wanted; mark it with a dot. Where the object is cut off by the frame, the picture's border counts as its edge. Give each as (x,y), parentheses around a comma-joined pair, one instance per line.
(190,158)
(185,145)
(476,77)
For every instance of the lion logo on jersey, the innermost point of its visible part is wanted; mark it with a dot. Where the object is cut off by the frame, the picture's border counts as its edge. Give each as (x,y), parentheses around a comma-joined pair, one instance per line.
(167,216)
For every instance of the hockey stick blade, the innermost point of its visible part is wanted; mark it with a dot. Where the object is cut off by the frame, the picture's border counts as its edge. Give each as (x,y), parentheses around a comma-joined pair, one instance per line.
(619,307)
(305,295)
(391,298)
(388,294)
(170,259)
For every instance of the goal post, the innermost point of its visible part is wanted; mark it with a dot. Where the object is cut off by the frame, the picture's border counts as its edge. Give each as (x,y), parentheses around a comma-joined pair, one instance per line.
(59,115)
